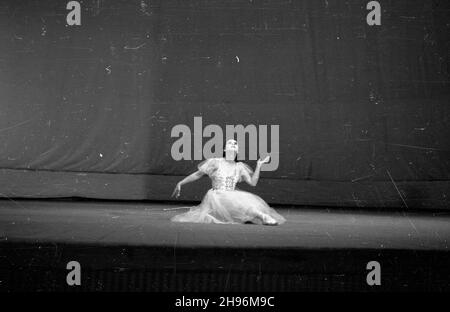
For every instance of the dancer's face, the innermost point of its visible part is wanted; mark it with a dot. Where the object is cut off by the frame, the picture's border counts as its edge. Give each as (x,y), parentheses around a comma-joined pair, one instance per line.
(232,146)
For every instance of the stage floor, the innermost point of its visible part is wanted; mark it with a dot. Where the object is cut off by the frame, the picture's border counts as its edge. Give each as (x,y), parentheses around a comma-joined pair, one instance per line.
(133,246)
(148,224)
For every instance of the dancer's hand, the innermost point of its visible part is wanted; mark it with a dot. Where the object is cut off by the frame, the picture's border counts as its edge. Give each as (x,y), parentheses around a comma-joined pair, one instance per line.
(177,191)
(264,161)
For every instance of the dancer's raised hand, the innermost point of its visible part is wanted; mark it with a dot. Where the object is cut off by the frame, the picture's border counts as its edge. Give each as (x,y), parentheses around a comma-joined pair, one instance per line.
(264,161)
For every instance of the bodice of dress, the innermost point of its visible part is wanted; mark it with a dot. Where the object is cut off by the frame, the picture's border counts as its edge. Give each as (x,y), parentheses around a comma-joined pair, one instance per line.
(225,177)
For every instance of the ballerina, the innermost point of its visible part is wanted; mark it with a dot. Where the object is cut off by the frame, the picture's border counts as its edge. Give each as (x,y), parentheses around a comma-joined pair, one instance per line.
(223,203)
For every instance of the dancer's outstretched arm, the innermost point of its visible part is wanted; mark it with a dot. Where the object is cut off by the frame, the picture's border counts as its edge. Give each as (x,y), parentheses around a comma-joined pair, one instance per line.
(253,180)
(190,178)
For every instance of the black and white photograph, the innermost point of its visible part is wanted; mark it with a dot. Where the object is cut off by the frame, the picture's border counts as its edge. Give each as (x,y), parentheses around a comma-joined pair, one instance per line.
(225,152)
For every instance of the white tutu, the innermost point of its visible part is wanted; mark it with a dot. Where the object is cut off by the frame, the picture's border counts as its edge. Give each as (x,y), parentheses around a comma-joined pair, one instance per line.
(224,204)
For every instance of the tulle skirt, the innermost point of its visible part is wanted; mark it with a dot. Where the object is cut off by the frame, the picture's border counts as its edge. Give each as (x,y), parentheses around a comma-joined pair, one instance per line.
(219,206)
